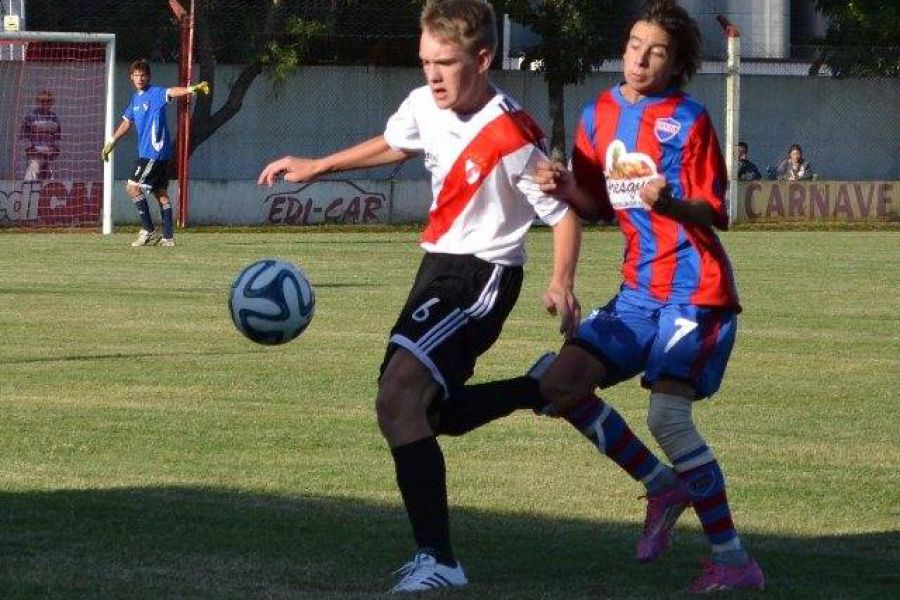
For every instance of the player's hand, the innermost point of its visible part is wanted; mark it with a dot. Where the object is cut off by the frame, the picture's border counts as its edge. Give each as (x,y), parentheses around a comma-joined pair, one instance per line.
(554,178)
(650,192)
(561,301)
(107,150)
(289,168)
(199,88)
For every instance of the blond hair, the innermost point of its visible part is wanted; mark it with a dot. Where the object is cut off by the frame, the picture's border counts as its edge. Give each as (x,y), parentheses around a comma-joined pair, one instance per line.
(469,23)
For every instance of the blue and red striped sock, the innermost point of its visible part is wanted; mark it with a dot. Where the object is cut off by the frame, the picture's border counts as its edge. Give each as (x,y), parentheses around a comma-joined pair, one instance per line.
(706,485)
(608,431)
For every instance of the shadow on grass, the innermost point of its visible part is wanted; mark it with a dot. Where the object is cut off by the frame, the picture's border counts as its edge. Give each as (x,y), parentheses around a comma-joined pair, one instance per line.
(127,355)
(191,542)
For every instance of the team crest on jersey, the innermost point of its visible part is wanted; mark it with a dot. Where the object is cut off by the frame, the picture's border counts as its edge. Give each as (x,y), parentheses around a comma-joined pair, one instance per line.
(473,171)
(626,173)
(666,128)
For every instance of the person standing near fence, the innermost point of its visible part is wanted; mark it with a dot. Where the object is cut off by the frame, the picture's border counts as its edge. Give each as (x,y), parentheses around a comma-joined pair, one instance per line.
(747,170)
(147,112)
(482,151)
(42,130)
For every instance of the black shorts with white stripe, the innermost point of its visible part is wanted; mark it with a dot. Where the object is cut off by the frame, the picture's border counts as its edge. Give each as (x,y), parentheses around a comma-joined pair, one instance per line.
(152,175)
(454,313)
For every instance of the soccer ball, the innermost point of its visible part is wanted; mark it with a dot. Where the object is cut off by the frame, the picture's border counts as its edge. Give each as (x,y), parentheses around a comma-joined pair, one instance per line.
(271,301)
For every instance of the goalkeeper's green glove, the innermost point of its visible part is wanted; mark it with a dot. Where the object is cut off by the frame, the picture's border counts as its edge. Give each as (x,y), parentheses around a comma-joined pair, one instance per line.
(199,88)
(107,150)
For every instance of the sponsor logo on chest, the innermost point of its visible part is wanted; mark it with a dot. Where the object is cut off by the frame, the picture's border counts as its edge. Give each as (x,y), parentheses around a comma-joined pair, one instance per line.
(626,173)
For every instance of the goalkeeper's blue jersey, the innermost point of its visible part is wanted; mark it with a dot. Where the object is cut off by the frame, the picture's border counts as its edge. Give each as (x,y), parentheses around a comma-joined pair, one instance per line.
(147,110)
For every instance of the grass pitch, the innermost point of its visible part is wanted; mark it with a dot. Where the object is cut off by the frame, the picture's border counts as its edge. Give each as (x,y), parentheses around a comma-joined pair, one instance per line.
(147,450)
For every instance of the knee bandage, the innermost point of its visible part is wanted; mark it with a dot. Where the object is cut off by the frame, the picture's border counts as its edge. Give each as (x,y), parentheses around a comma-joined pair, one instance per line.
(672,425)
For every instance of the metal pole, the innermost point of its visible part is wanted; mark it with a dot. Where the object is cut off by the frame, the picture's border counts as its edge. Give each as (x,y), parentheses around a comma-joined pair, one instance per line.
(107,134)
(732,111)
(184,194)
(185,68)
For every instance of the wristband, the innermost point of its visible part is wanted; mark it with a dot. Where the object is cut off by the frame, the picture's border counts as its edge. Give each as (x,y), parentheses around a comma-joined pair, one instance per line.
(663,203)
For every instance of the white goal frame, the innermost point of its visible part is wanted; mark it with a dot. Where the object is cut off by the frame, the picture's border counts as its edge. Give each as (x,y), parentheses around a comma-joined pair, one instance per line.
(15,38)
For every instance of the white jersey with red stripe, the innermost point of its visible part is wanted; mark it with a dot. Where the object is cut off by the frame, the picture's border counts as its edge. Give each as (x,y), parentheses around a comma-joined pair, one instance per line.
(482,167)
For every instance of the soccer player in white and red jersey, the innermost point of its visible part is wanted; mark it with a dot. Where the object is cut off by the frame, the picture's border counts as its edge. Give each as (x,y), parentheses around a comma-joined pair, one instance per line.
(482,151)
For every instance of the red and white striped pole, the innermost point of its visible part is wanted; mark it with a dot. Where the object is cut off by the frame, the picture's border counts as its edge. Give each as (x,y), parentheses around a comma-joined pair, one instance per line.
(185,74)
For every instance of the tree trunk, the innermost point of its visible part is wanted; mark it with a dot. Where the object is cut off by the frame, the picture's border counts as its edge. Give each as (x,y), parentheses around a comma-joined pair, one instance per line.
(204,122)
(556,97)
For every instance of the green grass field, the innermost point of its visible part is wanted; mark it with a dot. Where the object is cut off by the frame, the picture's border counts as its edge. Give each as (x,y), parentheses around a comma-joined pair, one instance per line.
(147,450)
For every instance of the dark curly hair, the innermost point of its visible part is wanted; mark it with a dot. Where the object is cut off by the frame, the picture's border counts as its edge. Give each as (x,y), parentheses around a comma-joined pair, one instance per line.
(682,30)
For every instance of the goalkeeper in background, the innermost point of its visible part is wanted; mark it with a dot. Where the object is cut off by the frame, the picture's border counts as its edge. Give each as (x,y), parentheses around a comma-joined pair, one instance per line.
(147,111)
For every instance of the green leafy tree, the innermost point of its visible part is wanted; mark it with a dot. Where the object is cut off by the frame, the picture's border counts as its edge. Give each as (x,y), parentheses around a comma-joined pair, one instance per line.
(862,38)
(267,38)
(142,28)
(576,36)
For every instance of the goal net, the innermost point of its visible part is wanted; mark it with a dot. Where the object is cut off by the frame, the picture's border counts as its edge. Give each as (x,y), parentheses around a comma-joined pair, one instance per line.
(55,113)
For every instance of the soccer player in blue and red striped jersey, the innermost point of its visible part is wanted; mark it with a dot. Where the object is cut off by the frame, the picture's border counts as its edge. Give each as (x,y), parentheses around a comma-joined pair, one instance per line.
(647,157)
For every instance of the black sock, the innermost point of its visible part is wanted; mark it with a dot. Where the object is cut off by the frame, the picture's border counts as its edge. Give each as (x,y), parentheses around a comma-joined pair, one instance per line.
(422,479)
(168,229)
(143,210)
(472,406)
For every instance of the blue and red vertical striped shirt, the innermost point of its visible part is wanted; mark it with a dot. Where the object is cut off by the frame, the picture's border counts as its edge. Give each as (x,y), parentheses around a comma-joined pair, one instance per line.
(620,147)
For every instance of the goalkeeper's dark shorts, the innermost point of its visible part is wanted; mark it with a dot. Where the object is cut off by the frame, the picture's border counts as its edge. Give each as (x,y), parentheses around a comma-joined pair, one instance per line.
(150,174)
(454,313)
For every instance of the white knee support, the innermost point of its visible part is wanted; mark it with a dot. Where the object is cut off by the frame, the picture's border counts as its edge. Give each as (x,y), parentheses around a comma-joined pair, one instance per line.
(672,425)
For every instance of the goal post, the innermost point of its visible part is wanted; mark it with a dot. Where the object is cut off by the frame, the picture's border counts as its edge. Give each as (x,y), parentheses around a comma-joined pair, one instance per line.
(56,111)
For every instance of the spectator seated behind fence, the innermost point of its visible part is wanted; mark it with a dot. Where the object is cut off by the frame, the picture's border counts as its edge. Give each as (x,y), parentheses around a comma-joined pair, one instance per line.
(747,171)
(794,167)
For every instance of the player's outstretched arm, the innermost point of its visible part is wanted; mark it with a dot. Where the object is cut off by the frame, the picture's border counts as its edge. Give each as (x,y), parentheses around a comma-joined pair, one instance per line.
(178,92)
(373,152)
(559,299)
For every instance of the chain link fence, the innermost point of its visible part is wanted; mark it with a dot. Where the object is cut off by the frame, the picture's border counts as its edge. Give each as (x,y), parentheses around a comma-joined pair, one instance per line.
(846,124)
(374,32)
(838,103)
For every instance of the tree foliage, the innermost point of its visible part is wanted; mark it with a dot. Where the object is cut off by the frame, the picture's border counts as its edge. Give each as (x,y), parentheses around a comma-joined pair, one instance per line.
(143,28)
(862,37)
(269,38)
(272,37)
(575,37)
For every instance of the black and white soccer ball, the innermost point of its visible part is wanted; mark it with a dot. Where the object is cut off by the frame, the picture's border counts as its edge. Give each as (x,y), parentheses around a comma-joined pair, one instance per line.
(271,301)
